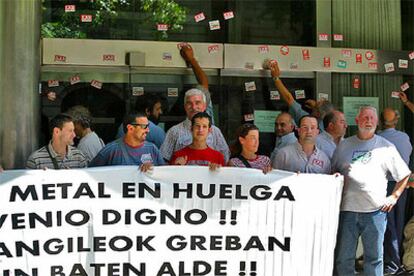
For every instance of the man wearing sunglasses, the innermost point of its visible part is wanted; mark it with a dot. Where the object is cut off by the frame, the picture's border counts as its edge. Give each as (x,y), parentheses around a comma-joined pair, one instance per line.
(132,149)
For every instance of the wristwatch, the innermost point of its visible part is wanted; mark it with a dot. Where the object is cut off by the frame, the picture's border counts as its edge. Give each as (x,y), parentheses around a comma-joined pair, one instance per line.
(275,78)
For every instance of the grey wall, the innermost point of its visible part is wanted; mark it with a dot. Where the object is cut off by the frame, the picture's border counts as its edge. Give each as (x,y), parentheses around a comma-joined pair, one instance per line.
(19,78)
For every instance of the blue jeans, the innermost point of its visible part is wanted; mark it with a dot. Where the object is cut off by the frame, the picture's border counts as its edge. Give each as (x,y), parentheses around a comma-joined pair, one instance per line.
(371,228)
(394,233)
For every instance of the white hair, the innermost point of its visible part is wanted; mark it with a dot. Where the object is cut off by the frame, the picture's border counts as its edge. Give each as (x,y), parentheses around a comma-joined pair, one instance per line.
(194,92)
(365,107)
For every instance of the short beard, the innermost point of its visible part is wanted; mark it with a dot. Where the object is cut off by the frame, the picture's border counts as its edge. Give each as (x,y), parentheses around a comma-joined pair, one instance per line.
(367,130)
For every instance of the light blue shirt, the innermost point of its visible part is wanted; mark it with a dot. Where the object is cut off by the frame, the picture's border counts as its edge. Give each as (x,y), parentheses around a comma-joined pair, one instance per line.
(297,112)
(400,140)
(292,158)
(156,134)
(326,143)
(281,142)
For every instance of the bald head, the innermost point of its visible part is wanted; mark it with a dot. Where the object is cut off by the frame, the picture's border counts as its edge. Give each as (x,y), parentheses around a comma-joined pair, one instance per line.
(389,117)
(284,124)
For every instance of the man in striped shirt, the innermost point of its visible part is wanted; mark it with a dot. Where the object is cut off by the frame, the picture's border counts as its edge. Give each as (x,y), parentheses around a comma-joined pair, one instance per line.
(59,153)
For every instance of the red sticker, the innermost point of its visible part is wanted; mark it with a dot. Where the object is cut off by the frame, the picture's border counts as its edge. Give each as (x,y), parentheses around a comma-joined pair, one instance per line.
(162,27)
(323,37)
(356,83)
(75,79)
(404,86)
(318,162)
(369,55)
(96,84)
(327,62)
(108,57)
(199,17)
(263,49)
(60,58)
(86,18)
(70,8)
(248,117)
(228,15)
(338,37)
(305,54)
(284,50)
(373,65)
(213,48)
(346,53)
(52,83)
(358,58)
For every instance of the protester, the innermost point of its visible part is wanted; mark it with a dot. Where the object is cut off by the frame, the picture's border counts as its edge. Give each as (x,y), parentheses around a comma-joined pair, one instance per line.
(396,217)
(132,149)
(335,127)
(180,136)
(284,131)
(198,152)
(319,109)
(151,106)
(245,148)
(365,159)
(90,143)
(406,102)
(59,153)
(304,156)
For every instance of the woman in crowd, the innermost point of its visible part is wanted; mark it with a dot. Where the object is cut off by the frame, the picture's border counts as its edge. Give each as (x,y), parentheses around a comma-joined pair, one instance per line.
(245,148)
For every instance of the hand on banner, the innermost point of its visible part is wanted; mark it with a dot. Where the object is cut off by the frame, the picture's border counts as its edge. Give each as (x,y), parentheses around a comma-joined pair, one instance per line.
(146,167)
(267,169)
(389,203)
(182,160)
(214,166)
(411,181)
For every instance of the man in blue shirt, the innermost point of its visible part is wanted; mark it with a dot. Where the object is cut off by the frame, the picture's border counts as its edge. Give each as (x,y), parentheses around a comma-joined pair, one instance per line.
(319,109)
(151,105)
(132,149)
(396,218)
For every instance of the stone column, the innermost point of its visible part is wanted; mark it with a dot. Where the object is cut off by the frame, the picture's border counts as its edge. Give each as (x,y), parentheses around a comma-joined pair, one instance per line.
(19,80)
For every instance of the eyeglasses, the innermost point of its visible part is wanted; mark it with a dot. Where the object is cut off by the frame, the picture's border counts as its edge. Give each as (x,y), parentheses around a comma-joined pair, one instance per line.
(143,126)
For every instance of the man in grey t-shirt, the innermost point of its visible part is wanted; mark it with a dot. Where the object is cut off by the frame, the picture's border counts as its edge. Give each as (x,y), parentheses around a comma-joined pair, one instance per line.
(364,160)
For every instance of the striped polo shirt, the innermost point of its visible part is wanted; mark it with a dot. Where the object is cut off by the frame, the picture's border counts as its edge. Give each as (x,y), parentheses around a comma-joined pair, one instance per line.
(41,159)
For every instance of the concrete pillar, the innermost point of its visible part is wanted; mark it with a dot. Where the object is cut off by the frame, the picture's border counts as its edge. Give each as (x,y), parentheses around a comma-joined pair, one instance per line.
(323,26)
(19,80)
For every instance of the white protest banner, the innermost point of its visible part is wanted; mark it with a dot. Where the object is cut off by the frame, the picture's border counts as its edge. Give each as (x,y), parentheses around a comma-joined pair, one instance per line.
(173,221)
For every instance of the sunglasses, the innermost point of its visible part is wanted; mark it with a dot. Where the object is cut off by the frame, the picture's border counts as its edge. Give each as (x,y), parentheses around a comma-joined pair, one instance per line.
(143,126)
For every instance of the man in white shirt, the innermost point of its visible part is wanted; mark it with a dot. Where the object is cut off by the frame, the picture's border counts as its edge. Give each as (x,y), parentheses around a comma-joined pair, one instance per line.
(364,160)
(180,136)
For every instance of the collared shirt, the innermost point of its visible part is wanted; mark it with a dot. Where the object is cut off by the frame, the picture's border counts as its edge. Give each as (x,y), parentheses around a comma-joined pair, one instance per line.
(281,142)
(293,158)
(326,143)
(400,140)
(297,112)
(179,136)
(365,165)
(156,135)
(41,159)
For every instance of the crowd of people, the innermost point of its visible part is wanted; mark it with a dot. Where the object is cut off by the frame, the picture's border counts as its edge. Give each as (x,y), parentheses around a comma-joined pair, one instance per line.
(374,166)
